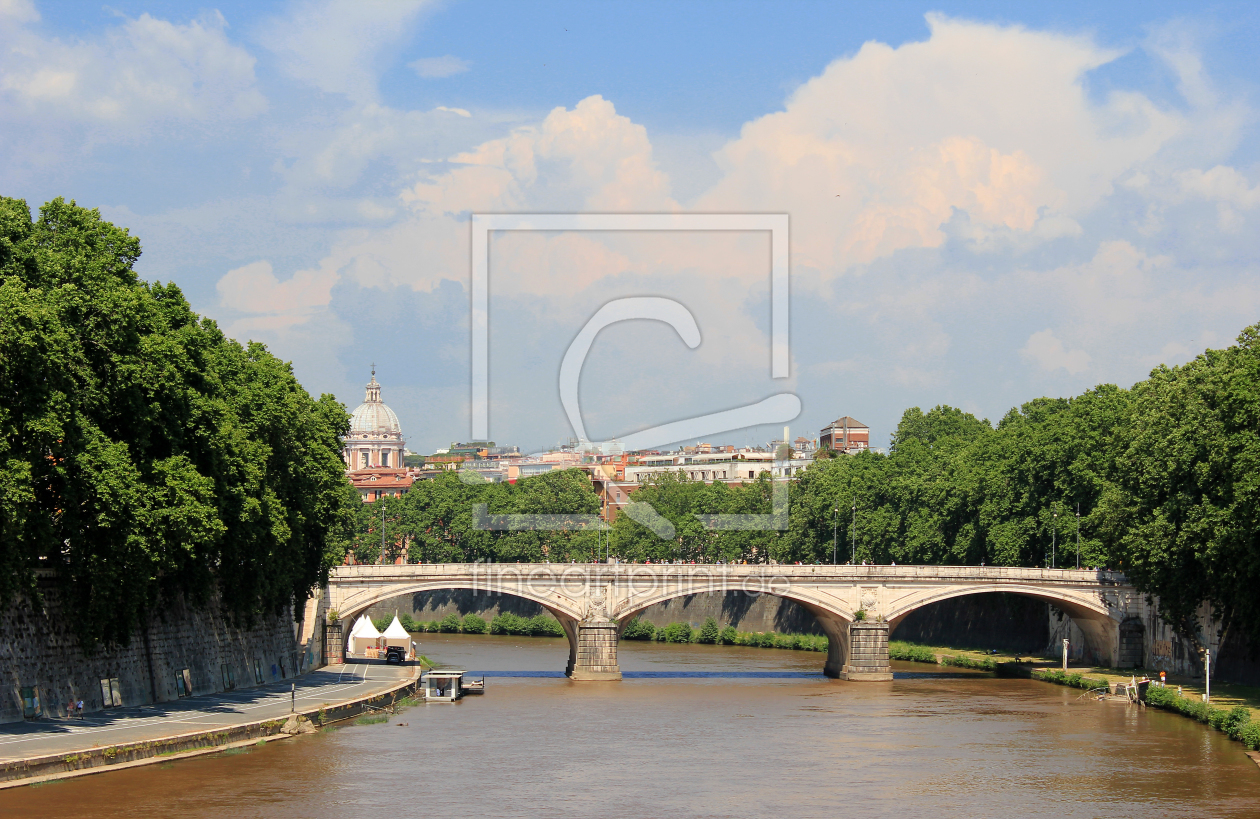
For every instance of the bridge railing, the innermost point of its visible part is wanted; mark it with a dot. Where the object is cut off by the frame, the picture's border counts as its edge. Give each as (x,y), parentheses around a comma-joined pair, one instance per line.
(612,572)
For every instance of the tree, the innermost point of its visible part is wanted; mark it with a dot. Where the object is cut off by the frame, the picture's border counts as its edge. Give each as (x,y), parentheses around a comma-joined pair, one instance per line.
(143,454)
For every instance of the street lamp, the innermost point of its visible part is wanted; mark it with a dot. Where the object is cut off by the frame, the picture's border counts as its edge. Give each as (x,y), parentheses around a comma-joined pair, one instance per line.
(835,520)
(853,533)
(1078,536)
(1054,536)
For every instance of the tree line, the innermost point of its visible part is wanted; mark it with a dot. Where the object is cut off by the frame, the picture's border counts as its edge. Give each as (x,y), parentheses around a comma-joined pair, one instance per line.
(143,454)
(1161,481)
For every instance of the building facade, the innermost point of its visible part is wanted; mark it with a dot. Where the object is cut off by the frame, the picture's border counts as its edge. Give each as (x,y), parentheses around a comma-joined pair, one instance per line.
(847,435)
(375,439)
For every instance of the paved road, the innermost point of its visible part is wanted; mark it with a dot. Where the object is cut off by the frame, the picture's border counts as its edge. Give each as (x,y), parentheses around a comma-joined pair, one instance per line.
(26,740)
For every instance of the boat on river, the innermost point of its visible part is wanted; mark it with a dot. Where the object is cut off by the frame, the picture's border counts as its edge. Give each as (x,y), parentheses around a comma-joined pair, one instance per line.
(449,685)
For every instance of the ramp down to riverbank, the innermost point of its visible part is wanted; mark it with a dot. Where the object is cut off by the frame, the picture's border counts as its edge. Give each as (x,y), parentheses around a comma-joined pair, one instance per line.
(59,749)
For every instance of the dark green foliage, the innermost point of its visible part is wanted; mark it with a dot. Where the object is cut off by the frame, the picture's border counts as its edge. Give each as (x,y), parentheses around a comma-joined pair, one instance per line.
(508,623)
(678,633)
(709,632)
(143,454)
(636,629)
(1236,722)
(450,624)
(540,625)
(382,623)
(409,624)
(909,652)
(472,624)
(727,635)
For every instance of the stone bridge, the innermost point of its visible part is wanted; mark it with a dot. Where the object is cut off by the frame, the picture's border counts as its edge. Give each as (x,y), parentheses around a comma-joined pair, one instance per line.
(856,606)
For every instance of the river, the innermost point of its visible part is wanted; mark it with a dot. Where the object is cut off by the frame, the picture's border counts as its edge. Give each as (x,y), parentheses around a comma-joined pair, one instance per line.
(701,731)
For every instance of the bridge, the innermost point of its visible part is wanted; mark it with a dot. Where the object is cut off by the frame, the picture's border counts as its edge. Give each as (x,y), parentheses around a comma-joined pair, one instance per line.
(857,607)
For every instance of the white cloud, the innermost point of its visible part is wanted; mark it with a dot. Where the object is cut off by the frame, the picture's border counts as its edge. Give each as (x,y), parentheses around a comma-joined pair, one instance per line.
(436,67)
(119,83)
(1045,348)
(19,11)
(273,304)
(878,152)
(339,47)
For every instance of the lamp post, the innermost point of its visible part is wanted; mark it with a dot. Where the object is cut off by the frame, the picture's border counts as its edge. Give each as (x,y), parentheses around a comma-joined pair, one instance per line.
(835,522)
(1078,535)
(1054,536)
(853,533)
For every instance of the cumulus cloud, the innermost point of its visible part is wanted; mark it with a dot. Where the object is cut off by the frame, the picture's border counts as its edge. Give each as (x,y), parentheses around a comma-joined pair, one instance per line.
(436,67)
(1045,348)
(946,197)
(273,304)
(142,72)
(339,47)
(878,152)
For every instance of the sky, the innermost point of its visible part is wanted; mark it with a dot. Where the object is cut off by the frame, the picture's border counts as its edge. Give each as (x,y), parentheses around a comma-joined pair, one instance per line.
(988,202)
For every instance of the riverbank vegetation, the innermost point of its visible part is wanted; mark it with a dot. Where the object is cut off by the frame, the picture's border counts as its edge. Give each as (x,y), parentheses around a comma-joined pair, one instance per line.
(143,454)
(711,633)
(540,625)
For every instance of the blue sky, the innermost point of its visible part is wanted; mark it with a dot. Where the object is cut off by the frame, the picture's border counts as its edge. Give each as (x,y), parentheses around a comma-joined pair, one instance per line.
(990,202)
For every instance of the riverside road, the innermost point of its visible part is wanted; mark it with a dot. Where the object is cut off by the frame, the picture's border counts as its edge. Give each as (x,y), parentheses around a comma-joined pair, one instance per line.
(327,685)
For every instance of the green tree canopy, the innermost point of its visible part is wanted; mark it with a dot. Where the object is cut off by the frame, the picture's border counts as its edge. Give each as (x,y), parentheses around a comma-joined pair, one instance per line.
(143,453)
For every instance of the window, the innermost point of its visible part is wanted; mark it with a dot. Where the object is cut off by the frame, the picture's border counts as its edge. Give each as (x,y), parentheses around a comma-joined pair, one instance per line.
(363,459)
(30,702)
(384,457)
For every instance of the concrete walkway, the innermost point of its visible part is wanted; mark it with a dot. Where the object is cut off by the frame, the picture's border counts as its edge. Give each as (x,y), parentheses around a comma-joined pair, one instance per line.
(327,686)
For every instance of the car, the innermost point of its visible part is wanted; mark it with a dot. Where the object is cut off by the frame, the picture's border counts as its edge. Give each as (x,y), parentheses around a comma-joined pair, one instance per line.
(396,654)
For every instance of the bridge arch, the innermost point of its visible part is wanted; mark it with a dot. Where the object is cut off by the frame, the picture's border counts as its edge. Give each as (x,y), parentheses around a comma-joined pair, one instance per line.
(1097,621)
(833,615)
(566,610)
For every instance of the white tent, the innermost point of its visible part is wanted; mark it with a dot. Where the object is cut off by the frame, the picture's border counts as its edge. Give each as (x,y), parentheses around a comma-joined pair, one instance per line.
(363,635)
(396,635)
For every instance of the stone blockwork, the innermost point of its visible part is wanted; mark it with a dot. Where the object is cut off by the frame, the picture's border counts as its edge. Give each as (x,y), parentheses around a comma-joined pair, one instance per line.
(596,657)
(38,648)
(868,653)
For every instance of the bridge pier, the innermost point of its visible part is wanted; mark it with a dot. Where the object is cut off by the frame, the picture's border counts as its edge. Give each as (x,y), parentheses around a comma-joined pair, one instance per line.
(593,649)
(858,651)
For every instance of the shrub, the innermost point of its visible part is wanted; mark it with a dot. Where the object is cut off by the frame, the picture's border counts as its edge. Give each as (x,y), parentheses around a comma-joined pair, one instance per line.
(709,632)
(636,629)
(382,623)
(540,625)
(508,623)
(1249,735)
(859,615)
(408,623)
(473,624)
(450,624)
(678,633)
(909,652)
(727,635)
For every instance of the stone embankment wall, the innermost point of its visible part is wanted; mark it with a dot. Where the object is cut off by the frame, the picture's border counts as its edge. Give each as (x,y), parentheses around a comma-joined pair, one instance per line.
(38,648)
(1007,622)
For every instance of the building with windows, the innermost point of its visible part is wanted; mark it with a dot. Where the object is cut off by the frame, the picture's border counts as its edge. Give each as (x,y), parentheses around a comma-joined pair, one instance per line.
(847,435)
(373,449)
(375,438)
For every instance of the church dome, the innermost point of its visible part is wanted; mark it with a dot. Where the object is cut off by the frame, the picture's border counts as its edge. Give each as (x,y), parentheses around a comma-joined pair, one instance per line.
(373,416)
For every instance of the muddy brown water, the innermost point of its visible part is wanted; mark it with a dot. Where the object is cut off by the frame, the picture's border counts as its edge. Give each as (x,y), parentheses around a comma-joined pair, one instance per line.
(701,731)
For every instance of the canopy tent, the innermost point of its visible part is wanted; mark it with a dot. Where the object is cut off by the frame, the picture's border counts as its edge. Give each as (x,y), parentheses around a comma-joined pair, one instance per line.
(363,635)
(396,635)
